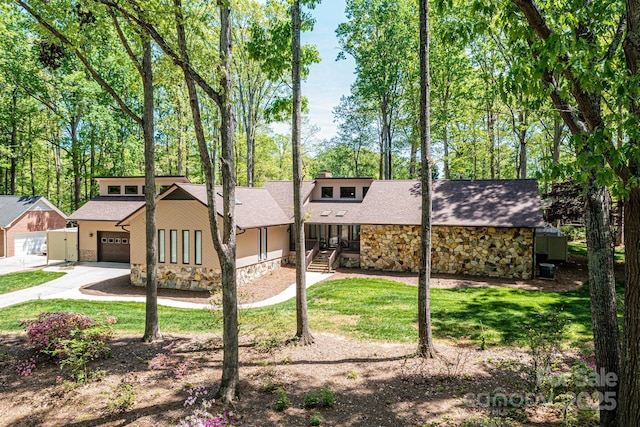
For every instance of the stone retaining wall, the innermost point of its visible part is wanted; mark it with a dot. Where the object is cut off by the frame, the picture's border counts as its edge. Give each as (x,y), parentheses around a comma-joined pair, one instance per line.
(478,251)
(88,255)
(199,278)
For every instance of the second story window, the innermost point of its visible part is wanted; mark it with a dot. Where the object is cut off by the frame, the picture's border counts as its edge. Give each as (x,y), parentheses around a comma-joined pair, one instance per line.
(130,189)
(347,192)
(327,192)
(113,189)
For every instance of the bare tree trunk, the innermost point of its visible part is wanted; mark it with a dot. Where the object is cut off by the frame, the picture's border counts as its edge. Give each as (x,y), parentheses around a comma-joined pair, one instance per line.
(491,124)
(180,167)
(445,140)
(425,346)
(303,333)
(602,292)
(558,127)
(14,142)
(152,325)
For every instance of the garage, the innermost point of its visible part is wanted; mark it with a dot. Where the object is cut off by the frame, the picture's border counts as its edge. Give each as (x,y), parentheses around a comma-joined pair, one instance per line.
(113,246)
(29,243)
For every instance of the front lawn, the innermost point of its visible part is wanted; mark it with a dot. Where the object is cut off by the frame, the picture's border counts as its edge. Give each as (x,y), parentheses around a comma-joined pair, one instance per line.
(26,279)
(580,248)
(365,309)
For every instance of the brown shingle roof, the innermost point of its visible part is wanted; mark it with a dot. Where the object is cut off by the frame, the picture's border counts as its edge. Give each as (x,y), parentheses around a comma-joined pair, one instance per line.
(497,203)
(282,192)
(108,208)
(256,207)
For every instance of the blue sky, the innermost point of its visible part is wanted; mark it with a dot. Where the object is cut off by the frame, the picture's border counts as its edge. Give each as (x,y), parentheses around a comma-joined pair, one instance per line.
(330,79)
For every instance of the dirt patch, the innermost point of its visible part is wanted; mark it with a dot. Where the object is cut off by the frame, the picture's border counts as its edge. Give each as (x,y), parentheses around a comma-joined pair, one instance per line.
(375,384)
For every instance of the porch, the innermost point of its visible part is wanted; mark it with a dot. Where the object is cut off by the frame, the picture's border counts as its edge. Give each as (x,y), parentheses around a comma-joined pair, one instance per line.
(328,244)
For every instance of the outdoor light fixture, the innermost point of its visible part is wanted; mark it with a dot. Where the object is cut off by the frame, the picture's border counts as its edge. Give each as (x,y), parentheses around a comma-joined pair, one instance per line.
(90,234)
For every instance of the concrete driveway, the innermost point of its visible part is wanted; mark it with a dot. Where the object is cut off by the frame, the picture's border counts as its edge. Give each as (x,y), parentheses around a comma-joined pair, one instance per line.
(75,277)
(20,263)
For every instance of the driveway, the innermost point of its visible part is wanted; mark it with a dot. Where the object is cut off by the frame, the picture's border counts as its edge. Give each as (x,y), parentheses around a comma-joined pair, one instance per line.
(75,277)
(20,263)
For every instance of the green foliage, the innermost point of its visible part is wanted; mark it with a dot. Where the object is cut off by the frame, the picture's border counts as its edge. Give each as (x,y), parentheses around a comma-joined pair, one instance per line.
(16,281)
(123,398)
(282,401)
(315,419)
(323,398)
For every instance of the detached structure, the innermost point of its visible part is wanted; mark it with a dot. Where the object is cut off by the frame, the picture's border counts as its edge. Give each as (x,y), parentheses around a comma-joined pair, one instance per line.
(484,227)
(24,221)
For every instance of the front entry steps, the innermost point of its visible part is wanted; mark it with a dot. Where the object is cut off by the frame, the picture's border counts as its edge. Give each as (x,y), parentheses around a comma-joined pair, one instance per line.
(320,263)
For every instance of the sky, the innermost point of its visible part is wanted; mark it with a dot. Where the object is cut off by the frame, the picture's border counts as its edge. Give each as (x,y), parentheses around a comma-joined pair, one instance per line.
(330,79)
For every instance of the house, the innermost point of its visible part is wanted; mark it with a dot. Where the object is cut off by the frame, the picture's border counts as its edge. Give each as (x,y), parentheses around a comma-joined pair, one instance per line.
(482,227)
(24,221)
(99,236)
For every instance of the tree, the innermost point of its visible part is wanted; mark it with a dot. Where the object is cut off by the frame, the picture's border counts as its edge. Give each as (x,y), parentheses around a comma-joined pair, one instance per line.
(425,346)
(152,330)
(303,333)
(578,94)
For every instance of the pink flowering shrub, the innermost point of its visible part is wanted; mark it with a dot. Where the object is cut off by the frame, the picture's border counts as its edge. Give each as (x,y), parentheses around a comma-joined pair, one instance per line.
(201,416)
(74,339)
(170,361)
(26,367)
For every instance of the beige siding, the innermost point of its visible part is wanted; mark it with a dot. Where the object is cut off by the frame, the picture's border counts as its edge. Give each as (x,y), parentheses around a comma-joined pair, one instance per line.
(138,181)
(359,184)
(176,215)
(88,237)
(247,245)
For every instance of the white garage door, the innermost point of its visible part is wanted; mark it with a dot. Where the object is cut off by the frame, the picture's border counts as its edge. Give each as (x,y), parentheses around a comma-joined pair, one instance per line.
(29,243)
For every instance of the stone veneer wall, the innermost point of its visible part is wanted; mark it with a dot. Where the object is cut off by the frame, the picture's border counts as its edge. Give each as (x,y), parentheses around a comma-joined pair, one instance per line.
(478,251)
(87,255)
(173,276)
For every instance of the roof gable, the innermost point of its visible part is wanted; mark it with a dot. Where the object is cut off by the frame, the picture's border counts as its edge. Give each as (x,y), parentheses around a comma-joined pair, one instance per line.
(13,207)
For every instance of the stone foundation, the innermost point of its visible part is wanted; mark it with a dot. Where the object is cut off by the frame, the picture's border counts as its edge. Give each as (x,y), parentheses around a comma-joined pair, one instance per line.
(87,255)
(477,251)
(349,260)
(199,278)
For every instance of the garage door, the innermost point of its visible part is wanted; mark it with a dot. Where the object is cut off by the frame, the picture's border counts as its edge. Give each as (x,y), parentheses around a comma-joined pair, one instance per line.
(113,246)
(29,243)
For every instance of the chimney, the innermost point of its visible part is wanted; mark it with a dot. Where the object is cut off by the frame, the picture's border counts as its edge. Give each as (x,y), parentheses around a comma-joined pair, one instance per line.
(324,174)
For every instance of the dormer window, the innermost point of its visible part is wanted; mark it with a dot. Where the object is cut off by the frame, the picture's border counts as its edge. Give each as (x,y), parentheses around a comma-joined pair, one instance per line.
(347,192)
(113,189)
(327,192)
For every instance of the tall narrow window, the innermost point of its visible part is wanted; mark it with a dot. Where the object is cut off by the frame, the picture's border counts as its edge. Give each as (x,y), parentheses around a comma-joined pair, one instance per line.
(185,246)
(173,246)
(198,247)
(313,235)
(262,244)
(161,255)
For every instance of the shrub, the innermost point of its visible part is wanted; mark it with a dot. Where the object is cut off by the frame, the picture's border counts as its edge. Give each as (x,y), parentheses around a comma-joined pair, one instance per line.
(315,419)
(123,399)
(283,401)
(73,338)
(323,398)
(201,416)
(26,367)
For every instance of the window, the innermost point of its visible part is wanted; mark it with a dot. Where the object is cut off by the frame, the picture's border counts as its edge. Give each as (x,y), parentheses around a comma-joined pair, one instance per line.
(312,232)
(125,241)
(347,192)
(198,247)
(130,189)
(161,255)
(355,232)
(364,191)
(185,246)
(103,240)
(111,240)
(327,192)
(113,189)
(117,241)
(173,246)
(262,244)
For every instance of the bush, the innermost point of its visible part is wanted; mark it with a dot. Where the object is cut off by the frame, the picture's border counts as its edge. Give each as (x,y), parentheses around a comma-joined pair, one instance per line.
(73,338)
(283,401)
(323,398)
(315,419)
(123,399)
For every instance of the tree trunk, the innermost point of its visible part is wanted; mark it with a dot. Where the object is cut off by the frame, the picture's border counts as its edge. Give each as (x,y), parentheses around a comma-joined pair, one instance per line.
(14,142)
(629,400)
(558,127)
(303,333)
(76,162)
(180,167)
(602,292)
(425,345)
(445,141)
(152,325)
(491,124)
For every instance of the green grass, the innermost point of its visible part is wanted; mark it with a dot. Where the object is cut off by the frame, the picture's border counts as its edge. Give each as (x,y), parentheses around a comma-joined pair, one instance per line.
(580,248)
(16,281)
(365,309)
